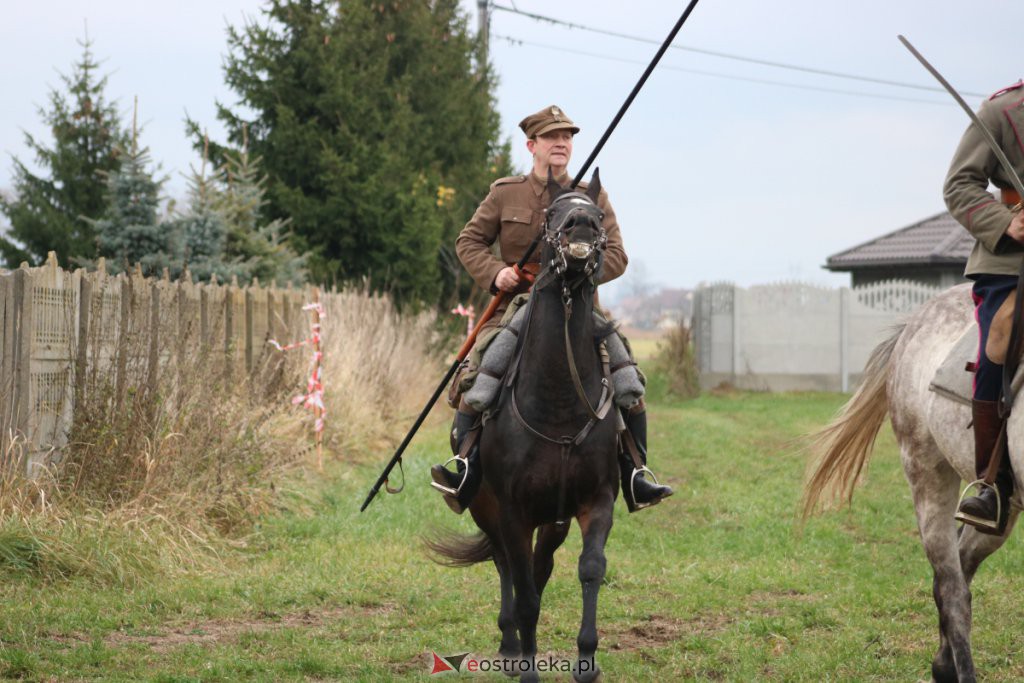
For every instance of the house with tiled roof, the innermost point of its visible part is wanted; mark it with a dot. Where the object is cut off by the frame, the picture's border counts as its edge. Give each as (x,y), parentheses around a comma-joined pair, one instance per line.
(933,251)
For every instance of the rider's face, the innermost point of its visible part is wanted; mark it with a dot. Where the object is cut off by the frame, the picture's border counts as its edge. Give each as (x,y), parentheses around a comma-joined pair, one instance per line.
(553,149)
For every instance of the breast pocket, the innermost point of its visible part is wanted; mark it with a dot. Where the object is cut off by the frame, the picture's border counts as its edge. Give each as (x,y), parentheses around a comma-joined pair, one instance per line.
(516,231)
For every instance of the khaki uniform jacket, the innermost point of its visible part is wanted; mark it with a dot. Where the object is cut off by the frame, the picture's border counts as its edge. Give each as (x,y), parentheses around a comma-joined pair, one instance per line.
(973,166)
(511,216)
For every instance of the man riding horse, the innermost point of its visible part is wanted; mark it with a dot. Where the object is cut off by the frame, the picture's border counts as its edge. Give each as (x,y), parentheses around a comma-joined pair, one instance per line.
(511,215)
(994,263)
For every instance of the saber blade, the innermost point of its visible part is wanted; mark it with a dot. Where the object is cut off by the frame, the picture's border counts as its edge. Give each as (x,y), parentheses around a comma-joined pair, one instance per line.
(982,128)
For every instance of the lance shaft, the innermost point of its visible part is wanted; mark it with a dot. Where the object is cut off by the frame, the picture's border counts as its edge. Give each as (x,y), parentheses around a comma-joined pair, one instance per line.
(500,296)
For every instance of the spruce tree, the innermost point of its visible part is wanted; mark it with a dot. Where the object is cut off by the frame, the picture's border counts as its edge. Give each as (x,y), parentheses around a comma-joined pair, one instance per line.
(361,112)
(261,247)
(50,211)
(203,229)
(130,231)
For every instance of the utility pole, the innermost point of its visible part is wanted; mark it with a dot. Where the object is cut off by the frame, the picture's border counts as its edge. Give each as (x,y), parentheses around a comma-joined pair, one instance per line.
(483,30)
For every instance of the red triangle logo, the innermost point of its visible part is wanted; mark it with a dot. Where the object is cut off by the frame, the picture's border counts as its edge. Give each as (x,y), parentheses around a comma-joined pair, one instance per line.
(440,666)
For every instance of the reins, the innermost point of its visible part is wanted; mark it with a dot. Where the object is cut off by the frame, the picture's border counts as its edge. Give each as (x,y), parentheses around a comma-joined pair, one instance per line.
(556,268)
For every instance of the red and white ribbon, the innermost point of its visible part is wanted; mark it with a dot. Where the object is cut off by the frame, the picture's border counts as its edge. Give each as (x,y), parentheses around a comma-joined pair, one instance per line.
(469,314)
(314,396)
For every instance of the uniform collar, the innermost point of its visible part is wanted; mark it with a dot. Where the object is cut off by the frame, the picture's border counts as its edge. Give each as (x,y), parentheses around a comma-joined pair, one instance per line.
(539,185)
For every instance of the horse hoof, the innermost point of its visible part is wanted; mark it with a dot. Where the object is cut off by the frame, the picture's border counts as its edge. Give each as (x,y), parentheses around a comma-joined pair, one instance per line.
(510,671)
(586,671)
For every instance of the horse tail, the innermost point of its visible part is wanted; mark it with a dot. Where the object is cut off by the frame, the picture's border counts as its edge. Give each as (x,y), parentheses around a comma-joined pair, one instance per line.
(841,449)
(458,550)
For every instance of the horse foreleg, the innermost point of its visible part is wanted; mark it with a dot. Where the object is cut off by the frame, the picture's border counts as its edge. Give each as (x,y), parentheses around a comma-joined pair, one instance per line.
(934,485)
(549,538)
(595,525)
(517,542)
(975,546)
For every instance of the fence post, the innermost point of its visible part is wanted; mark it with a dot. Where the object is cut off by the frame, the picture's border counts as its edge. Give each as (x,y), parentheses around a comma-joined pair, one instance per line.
(249,325)
(154,334)
(736,342)
(844,339)
(84,312)
(18,358)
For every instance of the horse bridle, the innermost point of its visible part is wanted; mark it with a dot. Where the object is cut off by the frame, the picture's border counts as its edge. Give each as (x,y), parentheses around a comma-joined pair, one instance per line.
(557,267)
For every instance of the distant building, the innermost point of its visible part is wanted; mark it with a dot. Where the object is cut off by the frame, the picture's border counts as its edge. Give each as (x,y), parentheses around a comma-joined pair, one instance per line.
(663,309)
(932,252)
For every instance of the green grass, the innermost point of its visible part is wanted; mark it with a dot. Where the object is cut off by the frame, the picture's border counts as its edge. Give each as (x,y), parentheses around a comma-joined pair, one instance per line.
(717,583)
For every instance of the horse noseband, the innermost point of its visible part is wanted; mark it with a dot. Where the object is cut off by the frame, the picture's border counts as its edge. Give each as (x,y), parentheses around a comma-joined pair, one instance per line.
(577,250)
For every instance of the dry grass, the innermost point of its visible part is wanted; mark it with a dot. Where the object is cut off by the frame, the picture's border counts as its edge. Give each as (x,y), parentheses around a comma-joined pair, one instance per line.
(380,368)
(676,361)
(166,476)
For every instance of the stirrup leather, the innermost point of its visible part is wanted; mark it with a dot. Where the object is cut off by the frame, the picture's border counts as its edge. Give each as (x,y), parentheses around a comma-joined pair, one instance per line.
(632,487)
(977,521)
(465,475)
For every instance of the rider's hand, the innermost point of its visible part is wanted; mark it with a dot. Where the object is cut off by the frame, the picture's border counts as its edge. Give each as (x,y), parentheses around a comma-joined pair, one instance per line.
(1016,229)
(507,279)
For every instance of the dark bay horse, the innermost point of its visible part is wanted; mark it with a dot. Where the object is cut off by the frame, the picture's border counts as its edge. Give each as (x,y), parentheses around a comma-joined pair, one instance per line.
(549,449)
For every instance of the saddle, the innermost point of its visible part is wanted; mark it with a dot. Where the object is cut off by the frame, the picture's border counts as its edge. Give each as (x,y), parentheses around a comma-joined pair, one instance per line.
(955,377)
(627,382)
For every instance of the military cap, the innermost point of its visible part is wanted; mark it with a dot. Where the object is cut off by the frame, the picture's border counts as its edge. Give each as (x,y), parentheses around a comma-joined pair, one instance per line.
(546,120)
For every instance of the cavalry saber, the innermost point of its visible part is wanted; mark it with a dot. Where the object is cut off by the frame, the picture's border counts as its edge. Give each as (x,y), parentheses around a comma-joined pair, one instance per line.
(982,128)
(500,296)
(1009,388)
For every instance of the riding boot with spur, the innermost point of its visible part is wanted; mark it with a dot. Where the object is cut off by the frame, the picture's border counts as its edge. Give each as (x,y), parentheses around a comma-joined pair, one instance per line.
(459,487)
(636,490)
(988,511)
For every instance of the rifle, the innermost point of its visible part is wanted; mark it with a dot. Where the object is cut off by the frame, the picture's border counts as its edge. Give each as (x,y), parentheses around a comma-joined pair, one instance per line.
(396,459)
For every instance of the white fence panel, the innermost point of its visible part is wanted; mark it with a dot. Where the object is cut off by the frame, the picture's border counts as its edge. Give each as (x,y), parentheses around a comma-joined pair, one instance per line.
(794,336)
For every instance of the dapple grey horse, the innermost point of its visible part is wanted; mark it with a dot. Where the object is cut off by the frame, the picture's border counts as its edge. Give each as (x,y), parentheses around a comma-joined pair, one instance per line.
(937,452)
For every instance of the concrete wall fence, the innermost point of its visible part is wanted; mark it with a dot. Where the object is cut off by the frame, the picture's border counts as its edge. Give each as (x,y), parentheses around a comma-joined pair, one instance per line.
(59,329)
(793,336)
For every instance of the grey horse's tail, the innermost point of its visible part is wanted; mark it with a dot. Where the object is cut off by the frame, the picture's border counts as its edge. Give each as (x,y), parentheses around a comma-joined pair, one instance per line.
(841,449)
(456,550)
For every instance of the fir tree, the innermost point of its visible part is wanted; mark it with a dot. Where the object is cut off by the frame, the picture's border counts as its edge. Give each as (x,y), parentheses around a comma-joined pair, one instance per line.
(50,211)
(361,112)
(130,231)
(203,229)
(261,247)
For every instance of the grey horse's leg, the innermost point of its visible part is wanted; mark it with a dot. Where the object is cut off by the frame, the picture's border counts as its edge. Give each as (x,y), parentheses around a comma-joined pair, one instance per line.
(934,485)
(595,524)
(975,546)
(549,538)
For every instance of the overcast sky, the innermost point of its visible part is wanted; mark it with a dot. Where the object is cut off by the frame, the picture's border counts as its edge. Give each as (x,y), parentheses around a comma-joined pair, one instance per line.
(747,178)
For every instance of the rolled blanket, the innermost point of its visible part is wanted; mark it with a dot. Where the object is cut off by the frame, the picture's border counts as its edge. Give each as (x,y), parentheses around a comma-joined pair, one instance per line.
(626,382)
(625,379)
(494,364)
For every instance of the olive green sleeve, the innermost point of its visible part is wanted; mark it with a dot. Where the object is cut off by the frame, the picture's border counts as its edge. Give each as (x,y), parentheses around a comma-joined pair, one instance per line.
(966,187)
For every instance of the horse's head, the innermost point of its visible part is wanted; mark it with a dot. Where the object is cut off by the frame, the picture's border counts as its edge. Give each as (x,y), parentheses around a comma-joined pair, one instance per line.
(573,230)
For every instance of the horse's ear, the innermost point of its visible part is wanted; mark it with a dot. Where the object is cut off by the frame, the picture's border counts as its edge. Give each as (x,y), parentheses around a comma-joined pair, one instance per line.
(594,188)
(554,189)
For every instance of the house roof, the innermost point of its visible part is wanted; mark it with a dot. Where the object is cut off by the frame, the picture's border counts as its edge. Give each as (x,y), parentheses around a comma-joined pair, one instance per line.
(938,240)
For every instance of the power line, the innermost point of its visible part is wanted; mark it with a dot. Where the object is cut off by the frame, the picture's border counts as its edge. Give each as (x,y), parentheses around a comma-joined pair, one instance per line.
(518,41)
(727,55)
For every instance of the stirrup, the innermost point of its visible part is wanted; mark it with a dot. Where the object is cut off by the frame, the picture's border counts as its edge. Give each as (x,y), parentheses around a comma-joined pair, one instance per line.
(447,490)
(632,487)
(978,521)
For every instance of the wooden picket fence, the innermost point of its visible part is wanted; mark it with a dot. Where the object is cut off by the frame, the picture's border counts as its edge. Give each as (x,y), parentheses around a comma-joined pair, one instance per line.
(60,329)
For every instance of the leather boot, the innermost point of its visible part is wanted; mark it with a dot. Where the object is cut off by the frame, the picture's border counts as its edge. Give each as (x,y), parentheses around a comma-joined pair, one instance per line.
(636,490)
(458,488)
(989,510)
